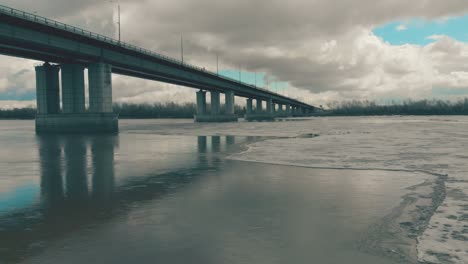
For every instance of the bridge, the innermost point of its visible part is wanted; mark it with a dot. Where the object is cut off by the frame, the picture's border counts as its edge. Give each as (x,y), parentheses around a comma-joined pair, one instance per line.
(67,51)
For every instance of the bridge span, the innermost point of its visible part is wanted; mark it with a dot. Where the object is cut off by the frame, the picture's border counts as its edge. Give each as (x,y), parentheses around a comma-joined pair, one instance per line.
(67,51)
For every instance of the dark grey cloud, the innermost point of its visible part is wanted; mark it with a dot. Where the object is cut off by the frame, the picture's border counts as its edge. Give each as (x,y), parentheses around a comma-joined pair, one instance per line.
(322,46)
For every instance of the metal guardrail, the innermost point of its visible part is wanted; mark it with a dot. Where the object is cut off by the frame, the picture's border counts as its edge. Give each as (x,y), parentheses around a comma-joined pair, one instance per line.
(59,25)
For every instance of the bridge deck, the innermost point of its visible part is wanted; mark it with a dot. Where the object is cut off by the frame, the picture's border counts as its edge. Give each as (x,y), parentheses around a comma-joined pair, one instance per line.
(34,37)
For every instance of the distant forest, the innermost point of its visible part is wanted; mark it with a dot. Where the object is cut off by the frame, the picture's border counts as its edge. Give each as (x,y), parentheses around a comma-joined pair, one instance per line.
(409,107)
(352,108)
(142,111)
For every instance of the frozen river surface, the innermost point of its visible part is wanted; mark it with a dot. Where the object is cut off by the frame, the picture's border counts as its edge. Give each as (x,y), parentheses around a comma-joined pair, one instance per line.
(320,190)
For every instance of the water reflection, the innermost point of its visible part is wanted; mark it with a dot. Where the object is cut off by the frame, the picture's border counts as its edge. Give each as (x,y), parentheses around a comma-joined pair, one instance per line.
(64,169)
(102,152)
(74,149)
(216,143)
(51,173)
(78,185)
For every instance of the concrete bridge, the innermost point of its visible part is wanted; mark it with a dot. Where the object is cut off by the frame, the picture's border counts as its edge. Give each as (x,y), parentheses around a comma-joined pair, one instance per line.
(67,50)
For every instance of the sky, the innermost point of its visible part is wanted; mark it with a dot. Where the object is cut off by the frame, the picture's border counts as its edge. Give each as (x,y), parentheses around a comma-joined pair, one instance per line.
(318,51)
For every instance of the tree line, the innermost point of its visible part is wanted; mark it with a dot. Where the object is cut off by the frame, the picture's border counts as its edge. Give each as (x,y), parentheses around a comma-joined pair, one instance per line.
(408,107)
(125,110)
(349,108)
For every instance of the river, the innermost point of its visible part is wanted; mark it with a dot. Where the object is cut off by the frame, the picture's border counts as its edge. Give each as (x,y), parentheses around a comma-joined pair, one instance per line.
(147,197)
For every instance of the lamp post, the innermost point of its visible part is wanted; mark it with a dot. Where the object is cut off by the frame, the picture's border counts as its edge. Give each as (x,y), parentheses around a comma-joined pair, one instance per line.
(182,49)
(255,79)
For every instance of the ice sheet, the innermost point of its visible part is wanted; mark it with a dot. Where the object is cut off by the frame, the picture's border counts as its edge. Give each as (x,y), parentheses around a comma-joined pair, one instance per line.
(436,145)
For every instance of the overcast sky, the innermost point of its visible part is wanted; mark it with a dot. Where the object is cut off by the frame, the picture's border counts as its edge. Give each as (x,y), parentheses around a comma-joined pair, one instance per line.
(320,50)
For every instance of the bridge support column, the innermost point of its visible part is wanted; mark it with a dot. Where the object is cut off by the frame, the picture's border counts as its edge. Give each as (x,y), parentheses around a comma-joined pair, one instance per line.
(281,111)
(73,88)
(100,88)
(229,102)
(258,110)
(215,114)
(269,106)
(259,114)
(47,89)
(249,107)
(301,111)
(74,119)
(215,103)
(288,110)
(298,111)
(201,102)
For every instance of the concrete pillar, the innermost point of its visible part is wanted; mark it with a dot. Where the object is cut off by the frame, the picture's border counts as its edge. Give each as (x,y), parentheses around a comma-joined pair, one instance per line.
(215,103)
(100,88)
(269,106)
(73,94)
(248,108)
(201,102)
(47,89)
(259,105)
(215,112)
(229,102)
(288,109)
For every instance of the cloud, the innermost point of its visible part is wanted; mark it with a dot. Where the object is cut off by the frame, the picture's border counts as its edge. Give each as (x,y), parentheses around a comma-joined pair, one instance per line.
(401,28)
(435,37)
(324,49)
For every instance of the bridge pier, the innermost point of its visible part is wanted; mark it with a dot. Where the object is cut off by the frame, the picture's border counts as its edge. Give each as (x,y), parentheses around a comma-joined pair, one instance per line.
(73,88)
(201,103)
(215,114)
(300,111)
(269,106)
(280,112)
(229,102)
(73,118)
(47,89)
(287,110)
(259,114)
(215,103)
(249,107)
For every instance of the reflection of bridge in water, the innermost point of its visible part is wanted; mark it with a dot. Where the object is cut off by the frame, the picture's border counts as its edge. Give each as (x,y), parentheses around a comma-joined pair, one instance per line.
(65,172)
(78,187)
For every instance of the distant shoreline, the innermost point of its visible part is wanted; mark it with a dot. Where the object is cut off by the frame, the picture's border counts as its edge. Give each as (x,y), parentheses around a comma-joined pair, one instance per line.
(313,115)
(173,110)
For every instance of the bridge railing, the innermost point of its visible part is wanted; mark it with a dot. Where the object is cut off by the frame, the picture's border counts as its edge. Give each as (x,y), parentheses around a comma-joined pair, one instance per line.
(59,25)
